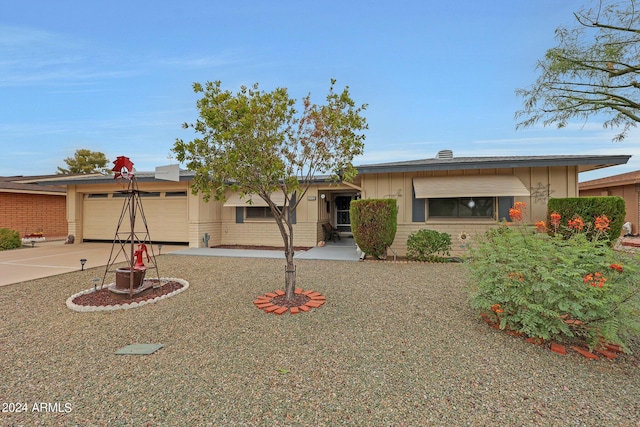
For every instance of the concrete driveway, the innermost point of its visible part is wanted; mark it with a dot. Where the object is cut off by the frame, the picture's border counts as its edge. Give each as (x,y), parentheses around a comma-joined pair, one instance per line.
(51,258)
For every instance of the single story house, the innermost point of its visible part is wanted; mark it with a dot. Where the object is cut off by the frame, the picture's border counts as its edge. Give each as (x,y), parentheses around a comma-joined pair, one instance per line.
(30,208)
(445,193)
(626,185)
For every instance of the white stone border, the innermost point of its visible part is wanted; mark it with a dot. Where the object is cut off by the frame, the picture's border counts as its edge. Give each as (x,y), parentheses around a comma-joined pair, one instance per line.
(87,308)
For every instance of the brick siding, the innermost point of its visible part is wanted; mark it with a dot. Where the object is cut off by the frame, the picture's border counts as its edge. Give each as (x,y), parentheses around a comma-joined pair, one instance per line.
(30,213)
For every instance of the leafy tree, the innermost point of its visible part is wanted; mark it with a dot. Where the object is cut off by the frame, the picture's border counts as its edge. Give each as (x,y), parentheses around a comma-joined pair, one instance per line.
(85,161)
(256,143)
(593,71)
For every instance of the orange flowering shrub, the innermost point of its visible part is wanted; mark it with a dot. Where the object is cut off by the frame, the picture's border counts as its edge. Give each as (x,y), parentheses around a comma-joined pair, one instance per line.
(555,287)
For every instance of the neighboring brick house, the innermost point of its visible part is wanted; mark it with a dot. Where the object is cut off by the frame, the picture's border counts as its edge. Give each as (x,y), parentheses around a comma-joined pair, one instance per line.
(626,185)
(30,208)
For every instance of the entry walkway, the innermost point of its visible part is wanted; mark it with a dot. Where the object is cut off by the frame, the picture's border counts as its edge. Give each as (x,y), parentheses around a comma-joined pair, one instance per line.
(342,250)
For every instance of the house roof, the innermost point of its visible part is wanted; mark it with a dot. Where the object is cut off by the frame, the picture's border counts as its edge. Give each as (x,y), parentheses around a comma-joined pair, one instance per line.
(584,162)
(29,185)
(105,179)
(140,177)
(628,178)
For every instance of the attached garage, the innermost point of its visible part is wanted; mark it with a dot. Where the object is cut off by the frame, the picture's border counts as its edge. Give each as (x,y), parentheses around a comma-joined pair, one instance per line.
(166,214)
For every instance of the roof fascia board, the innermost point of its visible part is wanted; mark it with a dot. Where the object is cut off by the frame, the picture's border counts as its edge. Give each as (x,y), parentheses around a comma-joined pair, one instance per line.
(599,161)
(184,177)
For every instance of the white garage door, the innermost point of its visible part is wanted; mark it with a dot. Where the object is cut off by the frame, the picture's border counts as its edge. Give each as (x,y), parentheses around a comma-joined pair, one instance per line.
(166,214)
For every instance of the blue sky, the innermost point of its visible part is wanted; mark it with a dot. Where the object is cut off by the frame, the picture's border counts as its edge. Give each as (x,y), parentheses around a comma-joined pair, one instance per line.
(116,76)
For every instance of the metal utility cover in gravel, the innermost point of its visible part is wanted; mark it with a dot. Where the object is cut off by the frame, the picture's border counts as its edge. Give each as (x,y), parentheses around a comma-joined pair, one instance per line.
(140,349)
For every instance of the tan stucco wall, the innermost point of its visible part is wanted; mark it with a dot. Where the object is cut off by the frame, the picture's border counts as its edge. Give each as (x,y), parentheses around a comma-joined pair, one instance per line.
(561,182)
(307,231)
(630,195)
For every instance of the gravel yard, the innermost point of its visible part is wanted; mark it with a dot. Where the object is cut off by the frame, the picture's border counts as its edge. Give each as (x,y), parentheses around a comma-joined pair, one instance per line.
(395,345)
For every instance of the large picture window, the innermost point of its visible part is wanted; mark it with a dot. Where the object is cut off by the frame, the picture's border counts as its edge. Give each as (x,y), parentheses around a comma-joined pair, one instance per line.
(461,207)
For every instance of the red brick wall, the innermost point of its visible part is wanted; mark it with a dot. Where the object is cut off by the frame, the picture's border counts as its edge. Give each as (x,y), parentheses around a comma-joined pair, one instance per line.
(30,213)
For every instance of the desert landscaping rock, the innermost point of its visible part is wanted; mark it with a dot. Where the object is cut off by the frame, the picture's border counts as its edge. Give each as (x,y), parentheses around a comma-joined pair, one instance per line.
(396,345)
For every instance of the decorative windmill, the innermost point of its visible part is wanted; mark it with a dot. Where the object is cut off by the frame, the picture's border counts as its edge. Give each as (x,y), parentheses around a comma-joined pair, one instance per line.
(128,241)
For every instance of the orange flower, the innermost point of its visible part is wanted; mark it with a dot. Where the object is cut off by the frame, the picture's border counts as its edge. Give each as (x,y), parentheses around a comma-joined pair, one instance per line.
(616,267)
(577,223)
(602,223)
(594,279)
(518,276)
(515,214)
(496,307)
(541,226)
(520,205)
(555,219)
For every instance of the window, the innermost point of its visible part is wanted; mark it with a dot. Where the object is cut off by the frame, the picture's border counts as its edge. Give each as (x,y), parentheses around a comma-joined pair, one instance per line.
(149,194)
(461,207)
(97,195)
(175,194)
(258,212)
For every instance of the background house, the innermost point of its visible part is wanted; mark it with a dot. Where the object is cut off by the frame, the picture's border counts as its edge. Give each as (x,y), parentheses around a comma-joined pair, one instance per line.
(29,208)
(444,193)
(626,185)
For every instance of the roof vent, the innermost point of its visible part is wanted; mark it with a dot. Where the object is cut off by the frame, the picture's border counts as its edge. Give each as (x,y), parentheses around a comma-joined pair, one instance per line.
(444,154)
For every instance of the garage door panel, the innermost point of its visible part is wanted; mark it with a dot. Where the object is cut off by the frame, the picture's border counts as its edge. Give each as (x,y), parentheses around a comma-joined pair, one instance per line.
(167,219)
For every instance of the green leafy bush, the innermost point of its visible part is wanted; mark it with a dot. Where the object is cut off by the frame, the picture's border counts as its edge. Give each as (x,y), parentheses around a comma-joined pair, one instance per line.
(588,209)
(374,223)
(556,288)
(9,239)
(428,245)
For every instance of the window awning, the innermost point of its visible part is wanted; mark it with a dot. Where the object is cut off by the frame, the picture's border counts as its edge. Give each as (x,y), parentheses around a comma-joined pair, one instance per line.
(468,186)
(235,200)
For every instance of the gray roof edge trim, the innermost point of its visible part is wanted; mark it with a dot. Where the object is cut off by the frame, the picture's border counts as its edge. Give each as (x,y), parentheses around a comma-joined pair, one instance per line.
(185,176)
(612,160)
(110,179)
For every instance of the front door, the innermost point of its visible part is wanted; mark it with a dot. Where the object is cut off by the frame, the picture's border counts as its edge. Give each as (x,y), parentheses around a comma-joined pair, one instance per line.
(342,217)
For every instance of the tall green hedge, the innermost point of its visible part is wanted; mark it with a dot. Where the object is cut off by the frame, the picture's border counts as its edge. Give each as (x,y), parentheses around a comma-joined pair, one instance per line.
(374,223)
(9,239)
(589,208)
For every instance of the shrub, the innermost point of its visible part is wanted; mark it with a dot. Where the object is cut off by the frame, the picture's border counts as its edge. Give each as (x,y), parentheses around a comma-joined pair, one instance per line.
(428,245)
(9,239)
(556,288)
(588,209)
(374,223)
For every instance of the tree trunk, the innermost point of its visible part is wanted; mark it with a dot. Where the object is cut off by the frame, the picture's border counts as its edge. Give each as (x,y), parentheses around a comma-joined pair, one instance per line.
(283,220)
(290,277)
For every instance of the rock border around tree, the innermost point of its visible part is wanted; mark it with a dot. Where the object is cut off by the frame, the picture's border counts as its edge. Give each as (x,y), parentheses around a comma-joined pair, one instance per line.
(303,301)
